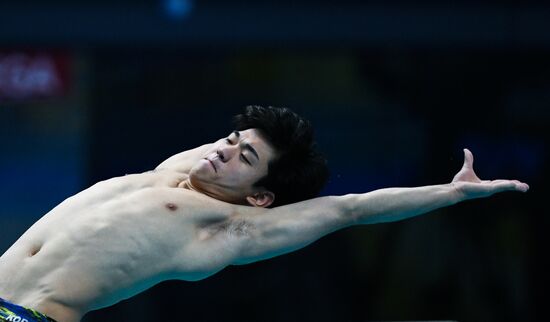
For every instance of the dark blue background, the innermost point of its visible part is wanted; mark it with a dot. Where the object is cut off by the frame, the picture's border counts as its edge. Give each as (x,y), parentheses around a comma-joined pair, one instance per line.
(395,91)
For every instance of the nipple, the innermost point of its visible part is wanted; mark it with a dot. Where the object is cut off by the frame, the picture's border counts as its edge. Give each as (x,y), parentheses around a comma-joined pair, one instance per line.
(171,206)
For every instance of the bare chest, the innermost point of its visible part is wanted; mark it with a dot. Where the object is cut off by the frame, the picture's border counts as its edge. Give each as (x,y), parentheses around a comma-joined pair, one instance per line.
(129,212)
(147,207)
(121,235)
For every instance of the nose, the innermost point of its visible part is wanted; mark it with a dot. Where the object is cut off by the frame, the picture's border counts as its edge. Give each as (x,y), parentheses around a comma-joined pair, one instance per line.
(226,153)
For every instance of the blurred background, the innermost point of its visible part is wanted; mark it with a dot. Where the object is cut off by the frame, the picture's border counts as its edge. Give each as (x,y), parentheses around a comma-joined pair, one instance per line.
(94,89)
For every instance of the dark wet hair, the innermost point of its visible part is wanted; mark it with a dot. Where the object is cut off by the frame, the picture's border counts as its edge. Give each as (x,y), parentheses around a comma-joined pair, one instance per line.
(298,171)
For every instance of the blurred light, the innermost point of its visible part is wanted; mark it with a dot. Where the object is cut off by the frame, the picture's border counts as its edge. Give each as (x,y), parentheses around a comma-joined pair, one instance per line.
(28,75)
(177,9)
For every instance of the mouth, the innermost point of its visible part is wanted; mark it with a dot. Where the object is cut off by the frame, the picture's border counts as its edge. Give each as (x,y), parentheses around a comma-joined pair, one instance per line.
(213,166)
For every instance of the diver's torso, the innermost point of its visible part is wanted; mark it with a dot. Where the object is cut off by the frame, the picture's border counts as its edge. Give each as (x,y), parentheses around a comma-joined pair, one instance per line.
(111,241)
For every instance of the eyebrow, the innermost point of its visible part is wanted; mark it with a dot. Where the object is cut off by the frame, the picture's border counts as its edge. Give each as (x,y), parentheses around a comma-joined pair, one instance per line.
(252,150)
(248,146)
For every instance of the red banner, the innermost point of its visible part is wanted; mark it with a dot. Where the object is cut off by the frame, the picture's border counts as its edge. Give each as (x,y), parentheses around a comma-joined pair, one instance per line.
(30,75)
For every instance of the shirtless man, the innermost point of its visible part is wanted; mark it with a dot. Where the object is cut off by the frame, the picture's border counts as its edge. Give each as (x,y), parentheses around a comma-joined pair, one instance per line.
(196,213)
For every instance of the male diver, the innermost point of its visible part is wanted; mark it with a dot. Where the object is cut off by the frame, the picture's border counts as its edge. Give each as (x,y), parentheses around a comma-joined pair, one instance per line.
(244,198)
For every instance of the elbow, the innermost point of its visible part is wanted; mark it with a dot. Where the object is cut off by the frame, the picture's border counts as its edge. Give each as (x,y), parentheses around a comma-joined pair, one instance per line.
(349,211)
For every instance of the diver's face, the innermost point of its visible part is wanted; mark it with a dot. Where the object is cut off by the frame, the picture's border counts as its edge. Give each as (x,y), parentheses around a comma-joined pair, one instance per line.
(233,164)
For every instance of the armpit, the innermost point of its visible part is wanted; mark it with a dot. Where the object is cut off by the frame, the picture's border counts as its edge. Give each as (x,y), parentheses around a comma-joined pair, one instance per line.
(232,227)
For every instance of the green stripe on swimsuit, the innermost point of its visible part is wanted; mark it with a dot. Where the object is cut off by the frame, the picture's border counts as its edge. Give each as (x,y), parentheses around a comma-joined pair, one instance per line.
(15,313)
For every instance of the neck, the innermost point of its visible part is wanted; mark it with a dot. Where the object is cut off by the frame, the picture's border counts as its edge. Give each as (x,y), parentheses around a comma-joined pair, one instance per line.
(186,184)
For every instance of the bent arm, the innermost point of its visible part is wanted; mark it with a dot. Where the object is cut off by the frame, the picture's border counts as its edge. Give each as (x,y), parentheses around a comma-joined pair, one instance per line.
(184,161)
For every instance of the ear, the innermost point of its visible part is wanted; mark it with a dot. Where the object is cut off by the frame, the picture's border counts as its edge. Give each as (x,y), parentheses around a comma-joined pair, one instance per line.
(261,199)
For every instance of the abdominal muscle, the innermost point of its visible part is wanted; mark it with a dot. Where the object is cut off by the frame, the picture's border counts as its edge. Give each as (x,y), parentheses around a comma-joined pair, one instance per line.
(107,243)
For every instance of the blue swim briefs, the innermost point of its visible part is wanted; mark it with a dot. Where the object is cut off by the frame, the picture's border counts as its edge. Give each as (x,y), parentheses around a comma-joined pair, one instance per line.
(15,313)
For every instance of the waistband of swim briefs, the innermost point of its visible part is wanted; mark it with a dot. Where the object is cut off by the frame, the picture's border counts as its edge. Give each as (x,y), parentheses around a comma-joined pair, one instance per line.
(13,312)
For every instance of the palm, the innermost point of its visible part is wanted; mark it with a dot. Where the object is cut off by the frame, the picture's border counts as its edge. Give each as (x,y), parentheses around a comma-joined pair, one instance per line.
(469,186)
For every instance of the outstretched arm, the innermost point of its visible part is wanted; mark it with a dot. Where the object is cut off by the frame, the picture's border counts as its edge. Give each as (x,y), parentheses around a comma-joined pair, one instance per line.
(287,228)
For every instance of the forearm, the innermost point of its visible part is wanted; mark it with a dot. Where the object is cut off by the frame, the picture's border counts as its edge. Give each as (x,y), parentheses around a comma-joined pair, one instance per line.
(393,204)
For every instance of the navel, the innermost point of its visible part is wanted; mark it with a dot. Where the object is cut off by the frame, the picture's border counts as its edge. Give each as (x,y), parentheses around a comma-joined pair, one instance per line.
(170,206)
(34,250)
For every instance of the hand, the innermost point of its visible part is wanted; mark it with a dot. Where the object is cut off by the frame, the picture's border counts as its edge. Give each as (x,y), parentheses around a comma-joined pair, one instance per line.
(469,186)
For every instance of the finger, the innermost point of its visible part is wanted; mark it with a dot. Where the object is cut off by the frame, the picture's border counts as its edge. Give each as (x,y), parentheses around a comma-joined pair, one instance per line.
(507,185)
(503,186)
(521,186)
(516,182)
(498,181)
(468,159)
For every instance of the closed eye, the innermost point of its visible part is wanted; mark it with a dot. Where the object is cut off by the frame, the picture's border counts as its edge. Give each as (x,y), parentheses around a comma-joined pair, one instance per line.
(242,156)
(245,159)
